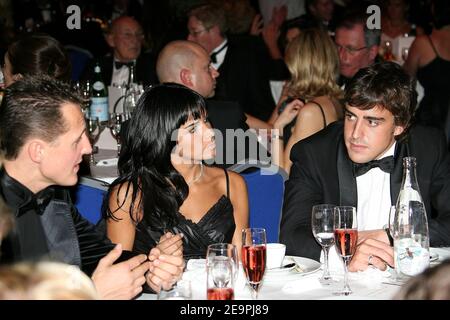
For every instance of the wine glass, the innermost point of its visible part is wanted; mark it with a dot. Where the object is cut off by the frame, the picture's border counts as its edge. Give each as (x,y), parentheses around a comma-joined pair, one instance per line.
(345,236)
(94,130)
(254,257)
(83,88)
(180,291)
(322,222)
(221,267)
(132,95)
(115,127)
(405,52)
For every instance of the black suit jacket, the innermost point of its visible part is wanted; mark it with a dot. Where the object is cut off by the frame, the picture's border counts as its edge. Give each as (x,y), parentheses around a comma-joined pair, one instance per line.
(70,238)
(145,69)
(322,173)
(244,77)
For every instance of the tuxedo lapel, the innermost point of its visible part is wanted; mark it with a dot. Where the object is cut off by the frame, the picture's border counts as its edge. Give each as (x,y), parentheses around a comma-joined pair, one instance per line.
(401,151)
(62,238)
(347,183)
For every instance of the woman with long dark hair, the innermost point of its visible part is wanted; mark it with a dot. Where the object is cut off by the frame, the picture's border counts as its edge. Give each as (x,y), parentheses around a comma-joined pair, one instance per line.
(163,185)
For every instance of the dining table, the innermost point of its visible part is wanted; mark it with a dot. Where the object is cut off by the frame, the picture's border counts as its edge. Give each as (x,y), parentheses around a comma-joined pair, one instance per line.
(302,281)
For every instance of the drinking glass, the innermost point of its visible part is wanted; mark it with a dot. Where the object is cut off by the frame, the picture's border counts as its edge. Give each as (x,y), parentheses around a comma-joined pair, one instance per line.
(322,222)
(132,95)
(345,236)
(221,267)
(115,127)
(405,52)
(94,130)
(83,88)
(254,257)
(180,291)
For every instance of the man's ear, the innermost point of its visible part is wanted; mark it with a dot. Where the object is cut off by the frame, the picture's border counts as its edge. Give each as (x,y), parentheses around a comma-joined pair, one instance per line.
(36,150)
(373,52)
(186,77)
(109,37)
(398,130)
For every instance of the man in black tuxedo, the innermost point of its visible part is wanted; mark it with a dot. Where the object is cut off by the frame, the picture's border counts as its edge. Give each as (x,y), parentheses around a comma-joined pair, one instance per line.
(243,62)
(380,103)
(39,161)
(125,38)
(187,63)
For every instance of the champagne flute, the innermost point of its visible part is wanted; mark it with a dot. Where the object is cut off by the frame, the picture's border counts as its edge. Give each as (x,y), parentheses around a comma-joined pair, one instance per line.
(322,222)
(221,268)
(115,127)
(254,257)
(345,236)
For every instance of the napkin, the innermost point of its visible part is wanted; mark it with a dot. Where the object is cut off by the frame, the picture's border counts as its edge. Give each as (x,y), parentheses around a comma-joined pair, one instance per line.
(302,285)
(194,264)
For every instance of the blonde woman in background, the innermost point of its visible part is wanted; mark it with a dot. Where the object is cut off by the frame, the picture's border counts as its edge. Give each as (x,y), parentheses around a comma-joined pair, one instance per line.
(310,100)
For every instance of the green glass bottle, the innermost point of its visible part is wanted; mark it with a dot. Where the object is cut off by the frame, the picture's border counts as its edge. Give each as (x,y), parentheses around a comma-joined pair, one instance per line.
(99,99)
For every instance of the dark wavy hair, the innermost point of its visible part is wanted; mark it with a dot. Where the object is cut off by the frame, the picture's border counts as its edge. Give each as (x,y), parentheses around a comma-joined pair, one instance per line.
(37,54)
(386,85)
(145,160)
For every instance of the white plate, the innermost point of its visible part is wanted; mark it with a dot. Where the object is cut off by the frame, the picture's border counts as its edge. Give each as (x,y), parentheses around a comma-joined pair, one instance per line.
(433,256)
(286,261)
(307,265)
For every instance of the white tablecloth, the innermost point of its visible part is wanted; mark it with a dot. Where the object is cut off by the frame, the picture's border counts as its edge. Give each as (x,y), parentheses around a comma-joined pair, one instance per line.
(371,284)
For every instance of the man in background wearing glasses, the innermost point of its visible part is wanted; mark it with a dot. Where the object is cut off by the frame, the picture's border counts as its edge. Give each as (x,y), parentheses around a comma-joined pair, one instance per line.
(356,44)
(125,37)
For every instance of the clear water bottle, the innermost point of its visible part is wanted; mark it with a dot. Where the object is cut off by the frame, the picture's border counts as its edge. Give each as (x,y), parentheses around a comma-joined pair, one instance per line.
(99,99)
(410,225)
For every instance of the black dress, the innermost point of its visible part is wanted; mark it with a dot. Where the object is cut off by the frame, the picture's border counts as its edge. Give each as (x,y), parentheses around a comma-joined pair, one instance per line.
(217,225)
(434,77)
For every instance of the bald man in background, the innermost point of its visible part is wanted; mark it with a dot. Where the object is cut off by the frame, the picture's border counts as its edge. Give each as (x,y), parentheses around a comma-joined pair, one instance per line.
(125,37)
(187,63)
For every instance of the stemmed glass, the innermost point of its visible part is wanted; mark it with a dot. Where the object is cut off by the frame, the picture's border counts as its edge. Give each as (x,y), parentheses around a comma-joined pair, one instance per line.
(254,257)
(405,52)
(180,291)
(115,127)
(221,265)
(345,236)
(83,88)
(322,222)
(132,95)
(94,130)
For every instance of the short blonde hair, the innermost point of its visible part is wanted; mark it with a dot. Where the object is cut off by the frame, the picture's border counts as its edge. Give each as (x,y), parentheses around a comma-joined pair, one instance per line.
(45,281)
(313,62)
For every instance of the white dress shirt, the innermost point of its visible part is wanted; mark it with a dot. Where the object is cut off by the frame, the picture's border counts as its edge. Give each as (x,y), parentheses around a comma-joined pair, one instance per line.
(374,197)
(221,55)
(120,76)
(374,204)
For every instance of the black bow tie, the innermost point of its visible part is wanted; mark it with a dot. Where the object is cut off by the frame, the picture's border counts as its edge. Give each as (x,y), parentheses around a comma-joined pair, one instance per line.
(214,54)
(386,164)
(119,64)
(37,202)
